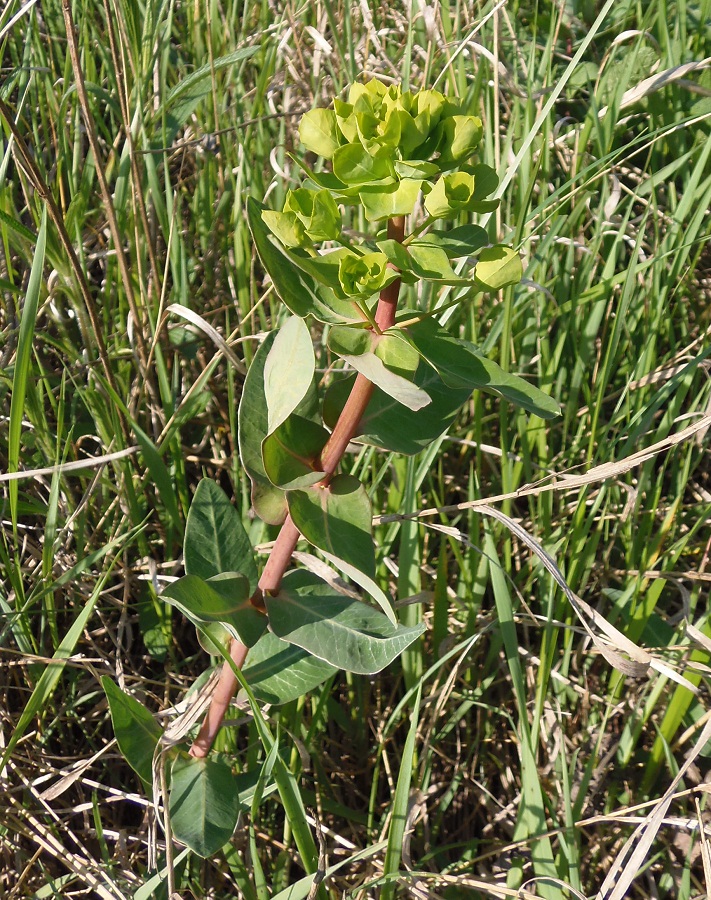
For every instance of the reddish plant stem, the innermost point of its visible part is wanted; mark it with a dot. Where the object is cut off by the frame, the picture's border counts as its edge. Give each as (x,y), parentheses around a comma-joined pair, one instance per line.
(288,536)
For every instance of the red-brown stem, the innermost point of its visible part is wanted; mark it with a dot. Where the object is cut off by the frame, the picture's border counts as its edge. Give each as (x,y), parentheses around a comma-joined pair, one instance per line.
(221,699)
(286,541)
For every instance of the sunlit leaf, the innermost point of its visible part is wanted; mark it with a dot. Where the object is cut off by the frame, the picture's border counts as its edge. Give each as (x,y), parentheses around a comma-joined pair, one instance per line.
(466,240)
(288,370)
(397,200)
(317,212)
(432,263)
(286,227)
(343,339)
(318,132)
(344,632)
(460,138)
(401,389)
(497,268)
(353,165)
(252,425)
(397,355)
(460,365)
(338,520)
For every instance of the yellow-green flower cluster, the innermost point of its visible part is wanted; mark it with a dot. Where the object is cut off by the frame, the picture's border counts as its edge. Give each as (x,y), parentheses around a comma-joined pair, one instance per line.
(387,147)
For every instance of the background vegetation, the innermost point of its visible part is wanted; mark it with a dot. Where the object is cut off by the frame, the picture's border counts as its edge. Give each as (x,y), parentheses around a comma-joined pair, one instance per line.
(530,756)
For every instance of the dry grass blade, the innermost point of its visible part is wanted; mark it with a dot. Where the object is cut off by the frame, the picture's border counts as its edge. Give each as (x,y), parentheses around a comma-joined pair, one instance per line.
(23,822)
(618,650)
(214,335)
(74,466)
(624,869)
(656,82)
(603,472)
(16,18)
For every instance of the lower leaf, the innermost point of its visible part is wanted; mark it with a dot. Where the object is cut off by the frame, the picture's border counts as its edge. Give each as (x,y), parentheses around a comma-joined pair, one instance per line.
(204,803)
(342,631)
(278,672)
(224,599)
(137,732)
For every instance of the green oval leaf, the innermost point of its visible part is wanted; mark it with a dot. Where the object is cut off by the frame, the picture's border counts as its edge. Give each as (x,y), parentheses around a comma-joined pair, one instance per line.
(215,539)
(290,453)
(252,426)
(204,803)
(288,371)
(497,268)
(432,263)
(395,200)
(466,240)
(224,598)
(137,732)
(338,519)
(353,165)
(342,631)
(401,389)
(461,366)
(397,355)
(460,136)
(278,672)
(318,132)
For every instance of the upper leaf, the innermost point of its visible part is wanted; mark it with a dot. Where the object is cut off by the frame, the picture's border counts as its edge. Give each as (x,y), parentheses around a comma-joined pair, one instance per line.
(318,132)
(461,366)
(497,268)
(353,165)
(288,370)
(466,240)
(215,539)
(394,200)
(252,421)
(296,288)
(278,672)
(460,136)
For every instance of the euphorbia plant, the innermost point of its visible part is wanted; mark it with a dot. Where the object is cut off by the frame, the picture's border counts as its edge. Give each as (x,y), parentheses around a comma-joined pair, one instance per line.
(390,153)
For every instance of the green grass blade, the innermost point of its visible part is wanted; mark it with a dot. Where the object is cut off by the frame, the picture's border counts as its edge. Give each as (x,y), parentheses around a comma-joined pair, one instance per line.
(22,364)
(399,809)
